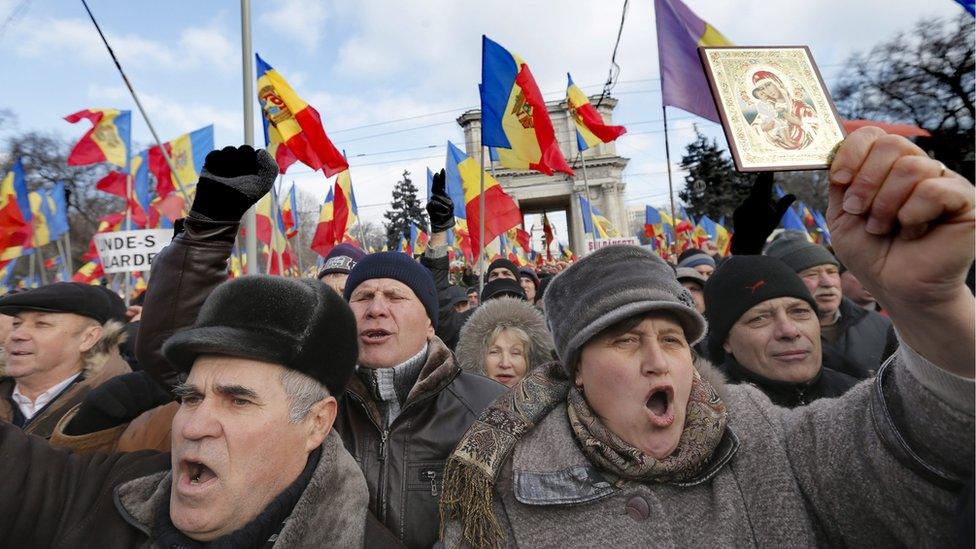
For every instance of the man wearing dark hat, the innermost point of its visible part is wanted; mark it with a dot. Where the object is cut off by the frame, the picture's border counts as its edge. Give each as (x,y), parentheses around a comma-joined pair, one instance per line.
(854,333)
(459,298)
(62,344)
(259,362)
(696,259)
(763,330)
(409,402)
(338,264)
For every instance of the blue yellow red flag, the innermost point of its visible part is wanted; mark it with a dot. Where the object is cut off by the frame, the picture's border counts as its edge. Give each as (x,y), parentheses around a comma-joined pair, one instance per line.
(590,128)
(188,153)
(297,123)
(324,239)
(514,116)
(108,140)
(501,211)
(15,214)
(345,212)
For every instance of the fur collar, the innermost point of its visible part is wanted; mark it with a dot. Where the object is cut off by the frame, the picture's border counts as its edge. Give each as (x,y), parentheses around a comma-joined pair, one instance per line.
(508,312)
(330,513)
(438,372)
(113,334)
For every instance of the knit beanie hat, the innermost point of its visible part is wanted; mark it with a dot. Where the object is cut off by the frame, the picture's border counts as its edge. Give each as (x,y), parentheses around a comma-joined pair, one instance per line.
(401,267)
(502,263)
(741,283)
(610,285)
(301,324)
(502,287)
(341,259)
(696,259)
(793,248)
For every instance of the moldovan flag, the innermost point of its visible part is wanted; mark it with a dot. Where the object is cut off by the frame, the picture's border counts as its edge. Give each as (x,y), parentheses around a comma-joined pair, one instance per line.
(271,231)
(324,239)
(297,123)
(595,222)
(683,82)
(188,153)
(344,210)
(590,128)
(108,140)
(514,118)
(501,212)
(548,235)
(15,213)
(289,214)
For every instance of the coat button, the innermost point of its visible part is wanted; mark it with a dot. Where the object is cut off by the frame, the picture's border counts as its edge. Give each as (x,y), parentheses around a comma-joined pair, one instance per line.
(638,508)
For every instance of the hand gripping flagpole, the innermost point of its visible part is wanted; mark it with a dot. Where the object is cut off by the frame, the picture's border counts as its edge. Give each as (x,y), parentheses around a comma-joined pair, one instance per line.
(135,97)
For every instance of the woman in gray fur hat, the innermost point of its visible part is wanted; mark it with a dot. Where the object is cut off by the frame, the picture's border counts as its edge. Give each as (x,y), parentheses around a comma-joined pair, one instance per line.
(629,441)
(503,340)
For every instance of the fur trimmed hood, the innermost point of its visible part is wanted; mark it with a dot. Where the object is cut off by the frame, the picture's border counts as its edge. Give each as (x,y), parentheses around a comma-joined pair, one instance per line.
(508,312)
(113,334)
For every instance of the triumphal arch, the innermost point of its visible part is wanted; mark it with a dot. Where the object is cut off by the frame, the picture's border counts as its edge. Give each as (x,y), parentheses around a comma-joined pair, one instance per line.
(539,193)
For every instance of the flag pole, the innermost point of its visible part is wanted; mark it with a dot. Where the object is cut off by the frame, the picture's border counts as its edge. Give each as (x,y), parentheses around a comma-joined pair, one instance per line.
(40,266)
(667,156)
(128,218)
(250,219)
(589,201)
(132,92)
(481,226)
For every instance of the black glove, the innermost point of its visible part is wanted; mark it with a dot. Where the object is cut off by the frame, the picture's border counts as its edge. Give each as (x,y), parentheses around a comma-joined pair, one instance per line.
(757,217)
(440,207)
(233,179)
(117,401)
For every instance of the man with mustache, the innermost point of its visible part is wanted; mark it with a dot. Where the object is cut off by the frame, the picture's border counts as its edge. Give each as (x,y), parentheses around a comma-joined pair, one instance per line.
(764,330)
(856,338)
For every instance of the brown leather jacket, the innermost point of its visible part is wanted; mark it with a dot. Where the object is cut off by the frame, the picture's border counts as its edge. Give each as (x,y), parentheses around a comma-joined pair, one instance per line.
(403,466)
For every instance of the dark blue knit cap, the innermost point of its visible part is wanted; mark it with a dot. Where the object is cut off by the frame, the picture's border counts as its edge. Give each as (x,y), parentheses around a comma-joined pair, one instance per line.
(401,267)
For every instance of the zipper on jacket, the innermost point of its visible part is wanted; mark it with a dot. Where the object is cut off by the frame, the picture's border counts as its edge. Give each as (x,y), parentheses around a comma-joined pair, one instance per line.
(431,475)
(384,436)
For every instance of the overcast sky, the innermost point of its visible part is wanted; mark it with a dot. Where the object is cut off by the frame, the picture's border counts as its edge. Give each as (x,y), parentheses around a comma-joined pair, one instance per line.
(390,77)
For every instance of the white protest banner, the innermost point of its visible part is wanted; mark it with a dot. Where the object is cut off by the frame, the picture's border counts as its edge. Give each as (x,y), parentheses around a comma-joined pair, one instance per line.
(130,251)
(592,246)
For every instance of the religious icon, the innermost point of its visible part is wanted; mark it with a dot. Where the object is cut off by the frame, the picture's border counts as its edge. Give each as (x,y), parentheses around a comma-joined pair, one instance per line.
(775,110)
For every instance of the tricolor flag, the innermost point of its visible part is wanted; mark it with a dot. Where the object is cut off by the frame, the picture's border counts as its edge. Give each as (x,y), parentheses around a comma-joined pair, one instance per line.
(547,235)
(590,128)
(297,124)
(108,140)
(289,214)
(683,82)
(188,153)
(594,222)
(652,223)
(501,211)
(514,117)
(324,239)
(345,212)
(418,240)
(271,232)
(15,214)
(89,273)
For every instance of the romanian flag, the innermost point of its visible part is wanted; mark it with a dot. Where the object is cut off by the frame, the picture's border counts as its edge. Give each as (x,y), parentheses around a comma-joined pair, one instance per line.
(652,223)
(39,213)
(89,273)
(590,128)
(108,140)
(405,246)
(501,211)
(514,117)
(297,123)
(345,212)
(324,238)
(418,239)
(289,214)
(683,82)
(455,190)
(15,213)
(594,222)
(188,153)
(271,231)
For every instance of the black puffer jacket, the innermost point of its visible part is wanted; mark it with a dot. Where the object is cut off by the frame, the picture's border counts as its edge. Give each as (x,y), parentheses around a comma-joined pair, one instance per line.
(862,339)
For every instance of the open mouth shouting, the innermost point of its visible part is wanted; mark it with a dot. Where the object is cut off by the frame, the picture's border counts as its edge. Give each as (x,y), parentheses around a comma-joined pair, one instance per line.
(660,406)
(375,336)
(195,477)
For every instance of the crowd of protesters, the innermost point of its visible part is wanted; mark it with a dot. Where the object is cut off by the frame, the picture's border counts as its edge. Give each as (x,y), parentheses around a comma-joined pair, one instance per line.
(790,395)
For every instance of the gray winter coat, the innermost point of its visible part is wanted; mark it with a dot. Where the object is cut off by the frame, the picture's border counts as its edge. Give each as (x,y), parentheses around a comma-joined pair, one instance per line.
(509,312)
(838,472)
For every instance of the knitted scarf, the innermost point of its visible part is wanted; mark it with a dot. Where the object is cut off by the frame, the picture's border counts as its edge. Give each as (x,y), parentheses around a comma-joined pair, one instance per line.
(472,470)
